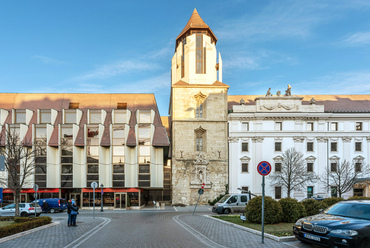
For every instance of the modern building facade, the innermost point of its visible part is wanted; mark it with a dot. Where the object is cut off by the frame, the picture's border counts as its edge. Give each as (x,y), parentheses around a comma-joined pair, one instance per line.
(116,140)
(327,129)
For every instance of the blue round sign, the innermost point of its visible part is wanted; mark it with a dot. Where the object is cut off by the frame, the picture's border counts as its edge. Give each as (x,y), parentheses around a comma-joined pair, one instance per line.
(264,168)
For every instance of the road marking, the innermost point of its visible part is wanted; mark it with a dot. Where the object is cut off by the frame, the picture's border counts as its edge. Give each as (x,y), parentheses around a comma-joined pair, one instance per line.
(87,235)
(199,236)
(175,209)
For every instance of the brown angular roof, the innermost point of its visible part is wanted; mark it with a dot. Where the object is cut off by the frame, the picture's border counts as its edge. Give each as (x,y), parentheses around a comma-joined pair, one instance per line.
(332,103)
(181,83)
(108,102)
(196,22)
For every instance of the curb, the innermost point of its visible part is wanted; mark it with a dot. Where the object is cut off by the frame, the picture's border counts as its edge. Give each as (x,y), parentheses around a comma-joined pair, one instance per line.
(267,235)
(14,236)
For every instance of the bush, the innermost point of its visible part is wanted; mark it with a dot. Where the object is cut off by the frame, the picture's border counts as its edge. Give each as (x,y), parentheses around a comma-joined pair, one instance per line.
(272,210)
(359,198)
(312,206)
(292,210)
(331,201)
(216,200)
(24,225)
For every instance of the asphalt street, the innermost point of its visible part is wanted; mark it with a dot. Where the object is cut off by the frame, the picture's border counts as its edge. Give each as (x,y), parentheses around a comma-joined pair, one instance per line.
(170,227)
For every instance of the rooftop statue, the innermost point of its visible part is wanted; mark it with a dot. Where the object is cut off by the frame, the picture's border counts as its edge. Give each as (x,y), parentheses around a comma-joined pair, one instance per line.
(288,92)
(268,92)
(242,102)
(312,101)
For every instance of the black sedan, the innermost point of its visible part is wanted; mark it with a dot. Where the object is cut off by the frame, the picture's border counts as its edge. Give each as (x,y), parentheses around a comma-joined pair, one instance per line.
(345,224)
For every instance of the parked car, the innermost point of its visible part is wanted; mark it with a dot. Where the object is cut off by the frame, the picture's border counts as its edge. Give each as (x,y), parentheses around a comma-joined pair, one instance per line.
(344,224)
(25,210)
(231,203)
(55,204)
(318,197)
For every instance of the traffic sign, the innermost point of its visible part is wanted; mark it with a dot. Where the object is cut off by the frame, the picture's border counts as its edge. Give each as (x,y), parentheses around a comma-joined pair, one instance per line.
(203,184)
(264,168)
(201,191)
(35,187)
(94,185)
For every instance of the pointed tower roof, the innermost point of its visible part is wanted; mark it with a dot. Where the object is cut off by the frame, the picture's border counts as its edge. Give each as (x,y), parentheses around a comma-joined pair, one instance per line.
(196,22)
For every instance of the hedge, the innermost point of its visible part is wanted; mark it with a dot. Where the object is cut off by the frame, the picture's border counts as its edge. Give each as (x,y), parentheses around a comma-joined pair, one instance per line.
(312,206)
(22,224)
(272,210)
(292,210)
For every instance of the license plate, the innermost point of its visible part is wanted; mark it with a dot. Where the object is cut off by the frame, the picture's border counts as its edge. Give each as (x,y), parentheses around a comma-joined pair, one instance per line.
(308,236)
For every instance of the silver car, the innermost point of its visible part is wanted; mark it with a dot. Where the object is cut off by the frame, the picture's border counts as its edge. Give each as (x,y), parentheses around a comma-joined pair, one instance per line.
(25,210)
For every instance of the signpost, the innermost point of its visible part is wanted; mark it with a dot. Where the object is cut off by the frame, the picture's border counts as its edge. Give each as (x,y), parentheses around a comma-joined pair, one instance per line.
(2,163)
(263,168)
(200,192)
(35,188)
(94,185)
(101,202)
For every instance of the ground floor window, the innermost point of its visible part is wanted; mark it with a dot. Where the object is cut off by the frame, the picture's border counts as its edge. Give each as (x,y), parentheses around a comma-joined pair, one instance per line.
(334,192)
(277,192)
(309,191)
(358,192)
(88,199)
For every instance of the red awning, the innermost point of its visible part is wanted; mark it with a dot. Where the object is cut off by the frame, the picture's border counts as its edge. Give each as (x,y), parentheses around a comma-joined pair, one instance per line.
(109,190)
(32,191)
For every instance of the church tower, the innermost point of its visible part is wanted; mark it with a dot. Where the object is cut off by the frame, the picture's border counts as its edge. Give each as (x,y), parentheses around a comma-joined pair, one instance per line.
(198,110)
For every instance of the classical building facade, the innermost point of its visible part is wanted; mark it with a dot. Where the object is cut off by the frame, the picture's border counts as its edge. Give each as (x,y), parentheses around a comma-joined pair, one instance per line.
(198,113)
(116,140)
(327,129)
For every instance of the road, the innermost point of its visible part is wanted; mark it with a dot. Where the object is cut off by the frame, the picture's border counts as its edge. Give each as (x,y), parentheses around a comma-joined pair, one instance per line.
(173,227)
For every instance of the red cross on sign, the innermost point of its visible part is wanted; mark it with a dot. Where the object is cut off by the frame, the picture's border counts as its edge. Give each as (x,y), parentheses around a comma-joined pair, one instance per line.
(264,168)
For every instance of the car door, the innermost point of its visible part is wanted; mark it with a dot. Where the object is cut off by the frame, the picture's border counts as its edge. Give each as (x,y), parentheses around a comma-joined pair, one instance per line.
(22,208)
(8,210)
(243,202)
(233,203)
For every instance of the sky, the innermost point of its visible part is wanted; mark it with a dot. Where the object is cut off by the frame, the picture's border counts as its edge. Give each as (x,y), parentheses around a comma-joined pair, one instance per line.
(317,46)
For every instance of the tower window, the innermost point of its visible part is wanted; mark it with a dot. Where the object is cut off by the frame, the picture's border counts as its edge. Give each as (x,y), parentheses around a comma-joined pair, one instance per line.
(199,139)
(199,56)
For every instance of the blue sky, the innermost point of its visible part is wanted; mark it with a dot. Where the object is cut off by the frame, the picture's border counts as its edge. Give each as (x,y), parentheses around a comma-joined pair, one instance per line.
(318,47)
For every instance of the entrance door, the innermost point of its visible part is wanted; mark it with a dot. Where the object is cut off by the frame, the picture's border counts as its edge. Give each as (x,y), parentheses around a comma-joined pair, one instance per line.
(120,200)
(77,198)
(23,198)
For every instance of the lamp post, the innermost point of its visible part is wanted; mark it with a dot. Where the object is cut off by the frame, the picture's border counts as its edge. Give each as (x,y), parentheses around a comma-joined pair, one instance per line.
(101,202)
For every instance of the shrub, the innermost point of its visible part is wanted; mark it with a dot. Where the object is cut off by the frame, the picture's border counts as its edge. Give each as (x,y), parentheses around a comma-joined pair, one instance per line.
(359,198)
(292,210)
(302,210)
(331,201)
(24,225)
(216,200)
(272,210)
(312,206)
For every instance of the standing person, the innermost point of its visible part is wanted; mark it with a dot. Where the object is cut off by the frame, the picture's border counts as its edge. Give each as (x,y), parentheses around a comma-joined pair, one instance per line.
(74,212)
(69,207)
(45,206)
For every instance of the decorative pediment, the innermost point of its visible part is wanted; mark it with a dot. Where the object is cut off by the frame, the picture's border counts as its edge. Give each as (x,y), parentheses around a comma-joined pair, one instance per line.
(346,139)
(233,139)
(334,158)
(311,159)
(200,96)
(334,139)
(257,139)
(299,139)
(280,106)
(245,159)
(278,159)
(200,130)
(358,159)
(201,160)
(321,139)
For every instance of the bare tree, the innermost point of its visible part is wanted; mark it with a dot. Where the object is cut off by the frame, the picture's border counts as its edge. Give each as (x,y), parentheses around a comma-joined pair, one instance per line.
(19,164)
(293,174)
(343,175)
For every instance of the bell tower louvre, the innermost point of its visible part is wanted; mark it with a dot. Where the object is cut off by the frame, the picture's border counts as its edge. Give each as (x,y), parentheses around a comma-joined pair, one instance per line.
(198,110)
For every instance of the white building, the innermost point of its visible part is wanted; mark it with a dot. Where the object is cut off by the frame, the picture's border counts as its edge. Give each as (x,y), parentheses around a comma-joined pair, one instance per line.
(326,129)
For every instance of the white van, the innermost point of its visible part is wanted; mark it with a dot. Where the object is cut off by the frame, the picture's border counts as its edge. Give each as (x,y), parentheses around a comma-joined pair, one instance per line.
(231,203)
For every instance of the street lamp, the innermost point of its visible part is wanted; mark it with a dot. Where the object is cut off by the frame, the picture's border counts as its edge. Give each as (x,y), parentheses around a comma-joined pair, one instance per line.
(101,202)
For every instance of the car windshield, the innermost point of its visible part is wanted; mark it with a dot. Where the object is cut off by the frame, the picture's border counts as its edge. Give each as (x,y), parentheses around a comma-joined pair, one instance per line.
(223,199)
(350,209)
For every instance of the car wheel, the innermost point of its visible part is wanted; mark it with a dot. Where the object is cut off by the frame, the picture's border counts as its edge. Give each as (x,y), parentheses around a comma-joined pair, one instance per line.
(24,214)
(52,210)
(364,243)
(226,211)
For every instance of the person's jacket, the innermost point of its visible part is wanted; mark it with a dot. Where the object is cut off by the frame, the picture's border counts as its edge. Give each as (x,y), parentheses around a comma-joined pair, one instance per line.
(69,206)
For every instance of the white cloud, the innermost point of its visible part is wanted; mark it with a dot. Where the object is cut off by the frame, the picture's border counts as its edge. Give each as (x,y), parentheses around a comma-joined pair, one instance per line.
(356,39)
(48,60)
(337,83)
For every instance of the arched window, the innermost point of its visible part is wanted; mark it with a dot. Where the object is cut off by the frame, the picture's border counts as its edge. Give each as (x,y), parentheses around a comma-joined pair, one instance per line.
(200,134)
(199,109)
